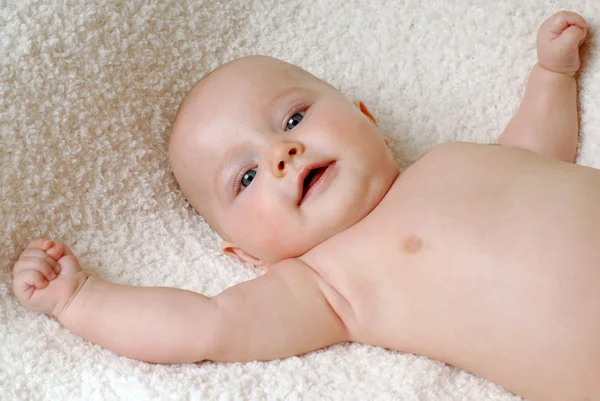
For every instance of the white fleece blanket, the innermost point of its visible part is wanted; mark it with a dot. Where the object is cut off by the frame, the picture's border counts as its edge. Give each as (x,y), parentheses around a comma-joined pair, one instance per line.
(88,92)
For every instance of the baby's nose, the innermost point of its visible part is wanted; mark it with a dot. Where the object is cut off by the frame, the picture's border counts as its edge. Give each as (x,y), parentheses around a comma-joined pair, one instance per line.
(282,155)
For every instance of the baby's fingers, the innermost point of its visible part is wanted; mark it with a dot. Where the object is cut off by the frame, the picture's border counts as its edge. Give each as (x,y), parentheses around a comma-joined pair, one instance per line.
(571,38)
(58,250)
(574,19)
(40,243)
(69,264)
(32,262)
(562,20)
(26,281)
(30,255)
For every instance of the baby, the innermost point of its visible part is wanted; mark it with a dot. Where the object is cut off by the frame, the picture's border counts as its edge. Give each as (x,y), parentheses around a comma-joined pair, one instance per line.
(485,257)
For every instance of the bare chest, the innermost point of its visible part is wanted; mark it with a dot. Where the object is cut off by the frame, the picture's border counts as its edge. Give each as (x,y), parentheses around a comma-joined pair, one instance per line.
(477,240)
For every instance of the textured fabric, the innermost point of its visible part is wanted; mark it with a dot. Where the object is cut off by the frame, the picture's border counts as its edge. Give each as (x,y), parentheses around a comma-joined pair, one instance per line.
(88,92)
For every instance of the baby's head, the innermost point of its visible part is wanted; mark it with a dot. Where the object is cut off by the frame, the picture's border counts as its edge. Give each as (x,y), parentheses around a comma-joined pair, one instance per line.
(275,159)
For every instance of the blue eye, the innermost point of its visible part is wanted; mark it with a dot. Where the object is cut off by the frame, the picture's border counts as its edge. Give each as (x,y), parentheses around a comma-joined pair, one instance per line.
(294,121)
(248,178)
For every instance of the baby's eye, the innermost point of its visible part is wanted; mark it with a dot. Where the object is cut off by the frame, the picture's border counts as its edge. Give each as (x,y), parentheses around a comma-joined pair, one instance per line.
(294,120)
(248,178)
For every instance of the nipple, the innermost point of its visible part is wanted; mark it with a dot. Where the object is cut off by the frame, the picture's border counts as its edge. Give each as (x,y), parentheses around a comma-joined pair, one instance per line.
(412,244)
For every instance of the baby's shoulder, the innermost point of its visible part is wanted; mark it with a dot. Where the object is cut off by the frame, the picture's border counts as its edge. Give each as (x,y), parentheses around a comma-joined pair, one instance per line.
(464,162)
(444,155)
(460,148)
(456,153)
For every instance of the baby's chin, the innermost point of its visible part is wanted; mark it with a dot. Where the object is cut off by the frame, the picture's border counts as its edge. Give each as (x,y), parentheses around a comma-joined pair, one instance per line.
(268,251)
(297,242)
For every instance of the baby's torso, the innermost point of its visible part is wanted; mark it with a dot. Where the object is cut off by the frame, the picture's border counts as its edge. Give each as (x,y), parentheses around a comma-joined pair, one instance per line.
(484,257)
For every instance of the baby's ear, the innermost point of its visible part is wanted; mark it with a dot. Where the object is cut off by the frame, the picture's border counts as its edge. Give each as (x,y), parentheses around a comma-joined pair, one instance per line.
(241,255)
(363,108)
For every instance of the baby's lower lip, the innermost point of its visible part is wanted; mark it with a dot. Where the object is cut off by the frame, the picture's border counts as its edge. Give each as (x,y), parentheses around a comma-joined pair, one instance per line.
(317,185)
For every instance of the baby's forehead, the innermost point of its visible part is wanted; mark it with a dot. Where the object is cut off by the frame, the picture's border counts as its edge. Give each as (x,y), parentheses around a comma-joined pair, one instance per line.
(242,90)
(252,77)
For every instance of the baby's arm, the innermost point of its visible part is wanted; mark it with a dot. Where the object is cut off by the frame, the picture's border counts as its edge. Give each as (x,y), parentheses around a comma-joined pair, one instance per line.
(279,314)
(547,122)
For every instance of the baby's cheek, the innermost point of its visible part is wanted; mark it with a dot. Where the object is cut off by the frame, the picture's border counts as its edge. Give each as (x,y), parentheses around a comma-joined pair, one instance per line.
(259,232)
(276,239)
(271,231)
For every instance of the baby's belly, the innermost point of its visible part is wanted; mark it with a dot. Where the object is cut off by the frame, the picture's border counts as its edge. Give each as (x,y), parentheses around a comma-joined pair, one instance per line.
(501,279)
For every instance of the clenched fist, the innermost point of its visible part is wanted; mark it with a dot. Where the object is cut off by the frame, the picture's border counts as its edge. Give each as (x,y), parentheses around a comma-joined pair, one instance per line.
(47,276)
(558,42)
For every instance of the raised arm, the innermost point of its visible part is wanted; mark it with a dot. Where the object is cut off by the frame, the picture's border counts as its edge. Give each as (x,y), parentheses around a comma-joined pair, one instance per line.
(547,121)
(279,314)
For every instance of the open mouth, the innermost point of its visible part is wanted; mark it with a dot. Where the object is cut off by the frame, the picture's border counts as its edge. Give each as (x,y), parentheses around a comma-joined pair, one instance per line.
(313,179)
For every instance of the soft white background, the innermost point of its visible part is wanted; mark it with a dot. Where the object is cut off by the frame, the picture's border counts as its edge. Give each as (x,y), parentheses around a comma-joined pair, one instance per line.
(87,93)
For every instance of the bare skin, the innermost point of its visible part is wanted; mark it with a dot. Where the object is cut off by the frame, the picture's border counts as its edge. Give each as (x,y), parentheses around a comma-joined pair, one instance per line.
(481,256)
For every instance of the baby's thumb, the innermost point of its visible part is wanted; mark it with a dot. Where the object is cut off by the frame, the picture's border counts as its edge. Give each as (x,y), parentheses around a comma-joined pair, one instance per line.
(69,264)
(571,38)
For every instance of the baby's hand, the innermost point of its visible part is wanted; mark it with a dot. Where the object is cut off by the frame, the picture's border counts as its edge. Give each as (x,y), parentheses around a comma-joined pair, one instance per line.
(558,42)
(47,276)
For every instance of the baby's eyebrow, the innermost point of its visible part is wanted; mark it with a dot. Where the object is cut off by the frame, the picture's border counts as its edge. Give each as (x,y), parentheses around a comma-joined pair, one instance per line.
(285,96)
(288,92)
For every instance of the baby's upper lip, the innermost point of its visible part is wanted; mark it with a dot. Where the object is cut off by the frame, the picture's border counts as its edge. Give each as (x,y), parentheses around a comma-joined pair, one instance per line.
(304,173)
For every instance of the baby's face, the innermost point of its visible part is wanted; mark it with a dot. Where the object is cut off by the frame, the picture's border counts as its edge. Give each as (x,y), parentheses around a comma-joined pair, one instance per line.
(276,160)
